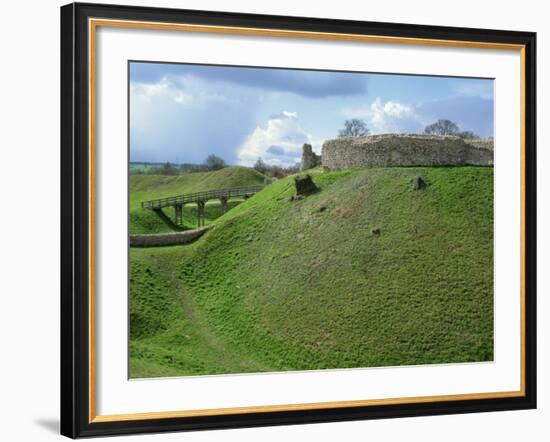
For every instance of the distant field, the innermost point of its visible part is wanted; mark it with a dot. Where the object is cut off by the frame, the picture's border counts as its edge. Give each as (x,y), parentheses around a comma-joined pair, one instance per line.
(143,167)
(367,272)
(147,187)
(161,168)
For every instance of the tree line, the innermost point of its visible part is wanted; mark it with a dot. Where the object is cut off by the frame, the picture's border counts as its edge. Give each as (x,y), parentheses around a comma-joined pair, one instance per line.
(358,128)
(212,162)
(274,171)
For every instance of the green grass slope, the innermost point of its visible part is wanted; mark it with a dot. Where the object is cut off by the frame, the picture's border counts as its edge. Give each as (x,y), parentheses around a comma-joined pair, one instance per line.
(147,187)
(366,272)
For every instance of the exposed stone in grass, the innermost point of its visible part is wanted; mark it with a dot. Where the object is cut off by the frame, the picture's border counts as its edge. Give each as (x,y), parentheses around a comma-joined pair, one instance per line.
(305,185)
(418,183)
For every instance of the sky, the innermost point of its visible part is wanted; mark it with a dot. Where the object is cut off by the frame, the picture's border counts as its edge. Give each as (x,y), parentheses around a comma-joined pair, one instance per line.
(181,113)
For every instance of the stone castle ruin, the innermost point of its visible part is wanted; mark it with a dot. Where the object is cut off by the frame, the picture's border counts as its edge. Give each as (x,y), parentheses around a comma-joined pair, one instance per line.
(309,158)
(399,150)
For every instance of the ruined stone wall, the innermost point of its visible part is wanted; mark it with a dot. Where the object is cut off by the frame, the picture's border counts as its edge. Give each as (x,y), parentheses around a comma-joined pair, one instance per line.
(165,239)
(482,143)
(404,150)
(309,158)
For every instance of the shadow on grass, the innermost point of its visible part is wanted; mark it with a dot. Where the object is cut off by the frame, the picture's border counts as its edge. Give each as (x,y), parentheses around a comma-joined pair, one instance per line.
(166,220)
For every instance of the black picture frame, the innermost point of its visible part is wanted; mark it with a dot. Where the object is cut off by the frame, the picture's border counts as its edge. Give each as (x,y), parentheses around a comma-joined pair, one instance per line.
(75,220)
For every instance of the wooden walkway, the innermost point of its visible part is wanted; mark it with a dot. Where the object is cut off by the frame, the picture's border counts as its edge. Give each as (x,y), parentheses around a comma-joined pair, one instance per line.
(200,199)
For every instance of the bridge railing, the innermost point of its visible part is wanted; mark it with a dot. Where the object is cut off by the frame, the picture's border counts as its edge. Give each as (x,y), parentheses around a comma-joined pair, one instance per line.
(200,196)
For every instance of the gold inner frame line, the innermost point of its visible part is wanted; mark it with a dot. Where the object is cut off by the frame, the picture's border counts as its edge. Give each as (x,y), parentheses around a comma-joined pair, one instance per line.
(93,24)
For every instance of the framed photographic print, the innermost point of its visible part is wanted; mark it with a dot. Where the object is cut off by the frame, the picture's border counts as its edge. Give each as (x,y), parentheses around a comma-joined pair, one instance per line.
(274,220)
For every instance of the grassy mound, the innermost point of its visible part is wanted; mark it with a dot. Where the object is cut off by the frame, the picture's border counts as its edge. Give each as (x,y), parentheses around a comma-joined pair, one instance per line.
(366,272)
(147,187)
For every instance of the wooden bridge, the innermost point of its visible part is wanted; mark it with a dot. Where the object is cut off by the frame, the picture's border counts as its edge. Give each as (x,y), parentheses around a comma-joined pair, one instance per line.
(200,199)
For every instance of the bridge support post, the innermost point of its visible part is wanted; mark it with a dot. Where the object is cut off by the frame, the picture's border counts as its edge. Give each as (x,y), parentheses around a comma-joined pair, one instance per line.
(178,209)
(223,201)
(200,213)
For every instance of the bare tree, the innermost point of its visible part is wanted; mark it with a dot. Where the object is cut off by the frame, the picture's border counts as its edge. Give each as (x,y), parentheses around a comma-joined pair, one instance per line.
(213,162)
(275,171)
(442,127)
(354,128)
(261,166)
(468,134)
(168,169)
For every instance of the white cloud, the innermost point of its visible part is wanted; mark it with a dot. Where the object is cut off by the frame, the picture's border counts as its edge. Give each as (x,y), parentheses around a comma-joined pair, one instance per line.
(290,114)
(278,142)
(186,90)
(393,117)
(163,89)
(184,118)
(390,116)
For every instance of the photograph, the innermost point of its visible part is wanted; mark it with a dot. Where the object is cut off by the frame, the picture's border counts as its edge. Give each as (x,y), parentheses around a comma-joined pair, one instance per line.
(276,220)
(295,219)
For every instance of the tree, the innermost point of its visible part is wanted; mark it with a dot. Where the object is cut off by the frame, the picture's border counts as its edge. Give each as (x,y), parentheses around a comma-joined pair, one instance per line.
(214,162)
(468,134)
(261,166)
(354,128)
(294,169)
(277,171)
(168,169)
(442,127)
